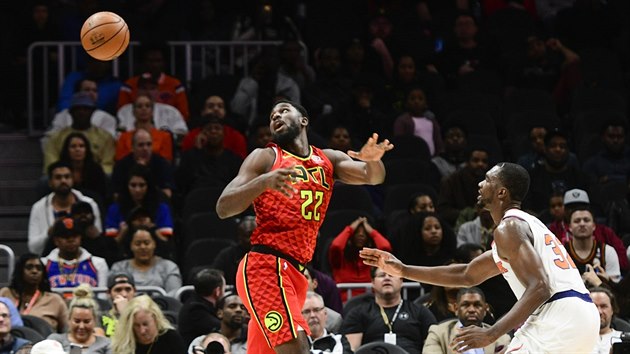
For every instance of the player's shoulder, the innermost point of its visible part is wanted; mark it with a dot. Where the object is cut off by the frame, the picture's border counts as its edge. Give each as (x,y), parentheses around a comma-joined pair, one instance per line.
(262,153)
(334,155)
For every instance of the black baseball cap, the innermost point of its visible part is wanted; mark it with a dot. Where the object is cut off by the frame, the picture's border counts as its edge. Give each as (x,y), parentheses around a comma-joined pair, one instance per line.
(120,277)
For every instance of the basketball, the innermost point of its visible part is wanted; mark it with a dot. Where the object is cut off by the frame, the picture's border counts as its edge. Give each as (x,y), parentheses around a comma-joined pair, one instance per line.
(104,35)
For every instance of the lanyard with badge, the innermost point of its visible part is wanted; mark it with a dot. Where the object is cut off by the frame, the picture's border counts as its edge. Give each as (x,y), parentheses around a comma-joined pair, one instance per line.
(391,336)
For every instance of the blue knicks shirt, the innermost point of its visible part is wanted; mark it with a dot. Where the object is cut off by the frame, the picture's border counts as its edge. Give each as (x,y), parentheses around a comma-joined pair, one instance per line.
(71,274)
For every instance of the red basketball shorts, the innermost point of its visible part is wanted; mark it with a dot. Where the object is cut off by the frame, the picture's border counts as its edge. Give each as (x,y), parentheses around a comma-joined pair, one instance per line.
(273,291)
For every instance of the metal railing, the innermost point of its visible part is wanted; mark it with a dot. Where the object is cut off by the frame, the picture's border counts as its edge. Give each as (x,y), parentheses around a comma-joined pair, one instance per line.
(102,290)
(189,61)
(348,287)
(342,286)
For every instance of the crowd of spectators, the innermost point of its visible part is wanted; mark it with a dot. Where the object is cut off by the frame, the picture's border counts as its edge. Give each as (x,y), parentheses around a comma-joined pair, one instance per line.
(455,85)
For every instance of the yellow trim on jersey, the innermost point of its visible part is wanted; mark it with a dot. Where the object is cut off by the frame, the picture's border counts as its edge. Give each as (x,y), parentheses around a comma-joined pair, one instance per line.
(308,157)
(249,300)
(284,297)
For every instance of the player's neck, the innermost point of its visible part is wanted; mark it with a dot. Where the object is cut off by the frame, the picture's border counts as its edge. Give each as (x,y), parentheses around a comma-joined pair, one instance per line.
(502,207)
(298,147)
(388,300)
(229,332)
(583,244)
(605,330)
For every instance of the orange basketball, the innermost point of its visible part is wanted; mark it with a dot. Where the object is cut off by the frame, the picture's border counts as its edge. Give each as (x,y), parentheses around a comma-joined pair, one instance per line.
(104,35)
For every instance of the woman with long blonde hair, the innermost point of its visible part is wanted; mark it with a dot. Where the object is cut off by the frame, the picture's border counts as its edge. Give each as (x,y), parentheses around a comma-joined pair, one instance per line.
(82,321)
(143,329)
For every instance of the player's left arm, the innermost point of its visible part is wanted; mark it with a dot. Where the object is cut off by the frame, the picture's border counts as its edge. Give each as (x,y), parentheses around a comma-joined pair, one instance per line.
(513,240)
(368,170)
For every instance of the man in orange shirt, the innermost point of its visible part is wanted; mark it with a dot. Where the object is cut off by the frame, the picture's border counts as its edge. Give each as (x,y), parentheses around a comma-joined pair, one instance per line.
(171,90)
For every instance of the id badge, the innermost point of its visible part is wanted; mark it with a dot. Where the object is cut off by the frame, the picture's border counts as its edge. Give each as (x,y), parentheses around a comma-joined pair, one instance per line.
(390,338)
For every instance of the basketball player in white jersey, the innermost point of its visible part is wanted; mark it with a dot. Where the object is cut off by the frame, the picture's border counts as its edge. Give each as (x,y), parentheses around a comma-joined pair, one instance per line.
(554,310)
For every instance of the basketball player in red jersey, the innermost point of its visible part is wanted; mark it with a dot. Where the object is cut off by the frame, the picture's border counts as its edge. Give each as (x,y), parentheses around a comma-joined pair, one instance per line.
(290,183)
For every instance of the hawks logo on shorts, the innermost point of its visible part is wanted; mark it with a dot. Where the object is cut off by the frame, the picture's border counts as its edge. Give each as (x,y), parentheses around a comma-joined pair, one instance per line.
(273,321)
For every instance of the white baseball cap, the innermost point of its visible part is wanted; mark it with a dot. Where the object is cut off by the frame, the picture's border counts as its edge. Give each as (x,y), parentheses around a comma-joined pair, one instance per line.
(576,196)
(47,346)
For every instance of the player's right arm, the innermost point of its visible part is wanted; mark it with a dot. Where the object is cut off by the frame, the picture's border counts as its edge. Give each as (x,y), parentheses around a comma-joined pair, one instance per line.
(254,177)
(453,275)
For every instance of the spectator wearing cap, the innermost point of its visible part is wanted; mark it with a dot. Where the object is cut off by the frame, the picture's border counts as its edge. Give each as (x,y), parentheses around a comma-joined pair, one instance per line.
(121,288)
(16,319)
(591,257)
(161,141)
(10,344)
(163,116)
(99,118)
(103,145)
(578,199)
(556,173)
(93,239)
(142,153)
(233,139)
(211,165)
(69,264)
(169,89)
(55,205)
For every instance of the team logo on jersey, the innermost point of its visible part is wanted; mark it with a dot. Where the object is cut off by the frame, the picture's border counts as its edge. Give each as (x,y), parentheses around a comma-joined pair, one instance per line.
(273,321)
(316,159)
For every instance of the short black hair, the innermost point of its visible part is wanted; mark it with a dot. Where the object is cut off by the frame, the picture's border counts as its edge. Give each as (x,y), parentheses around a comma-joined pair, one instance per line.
(55,165)
(297,106)
(515,178)
(206,280)
(77,85)
(554,133)
(223,299)
(471,290)
(462,253)
(613,122)
(578,207)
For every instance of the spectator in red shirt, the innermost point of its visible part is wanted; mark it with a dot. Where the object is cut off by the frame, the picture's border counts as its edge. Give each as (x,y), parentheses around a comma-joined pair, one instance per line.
(233,139)
(343,254)
(577,198)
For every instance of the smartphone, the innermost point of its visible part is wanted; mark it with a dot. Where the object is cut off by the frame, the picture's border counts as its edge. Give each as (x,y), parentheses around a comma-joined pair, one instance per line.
(75,349)
(438,45)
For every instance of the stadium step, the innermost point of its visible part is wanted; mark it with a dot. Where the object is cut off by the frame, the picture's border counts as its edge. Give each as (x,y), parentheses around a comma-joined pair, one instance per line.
(20,170)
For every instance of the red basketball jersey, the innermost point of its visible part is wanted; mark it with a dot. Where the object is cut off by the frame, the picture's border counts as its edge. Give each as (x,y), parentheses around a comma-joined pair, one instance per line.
(290,225)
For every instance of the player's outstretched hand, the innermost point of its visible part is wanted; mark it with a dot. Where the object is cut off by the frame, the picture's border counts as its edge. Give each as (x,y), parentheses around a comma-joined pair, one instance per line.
(382,259)
(372,150)
(471,337)
(281,179)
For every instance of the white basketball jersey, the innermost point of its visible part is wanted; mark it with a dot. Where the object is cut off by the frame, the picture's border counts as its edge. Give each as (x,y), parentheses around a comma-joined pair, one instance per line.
(558,265)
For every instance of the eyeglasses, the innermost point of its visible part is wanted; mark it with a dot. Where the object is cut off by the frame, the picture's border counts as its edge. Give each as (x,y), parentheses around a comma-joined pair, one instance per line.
(315,310)
(33,266)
